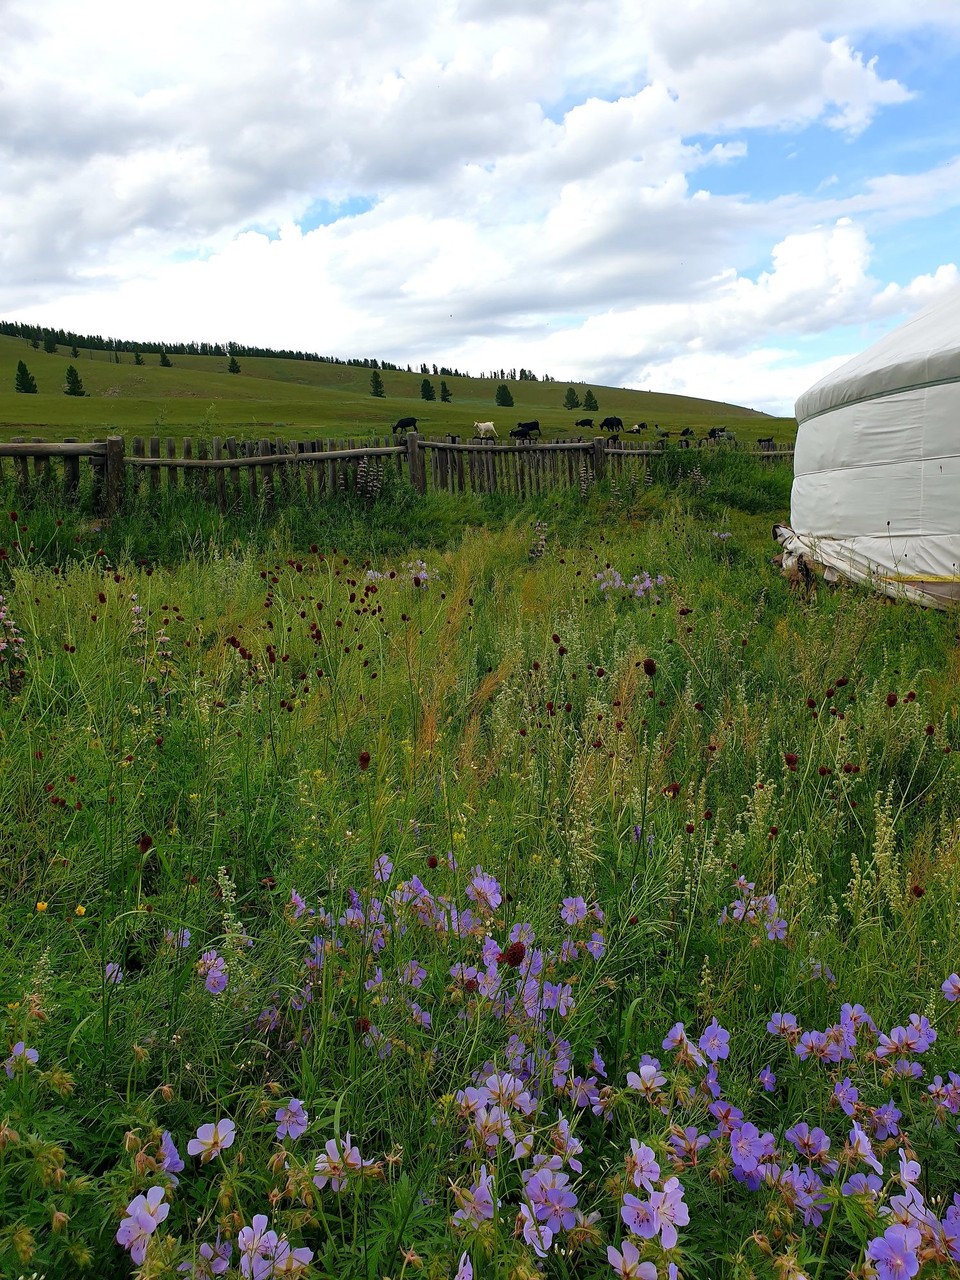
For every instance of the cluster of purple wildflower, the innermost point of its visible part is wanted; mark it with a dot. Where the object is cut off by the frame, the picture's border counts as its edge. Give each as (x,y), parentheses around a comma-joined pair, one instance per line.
(523,1119)
(11,639)
(415,572)
(511,977)
(640,585)
(213,969)
(758,910)
(263,1253)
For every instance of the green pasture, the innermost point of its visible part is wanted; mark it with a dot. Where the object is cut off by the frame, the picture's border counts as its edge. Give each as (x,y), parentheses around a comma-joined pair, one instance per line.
(197,396)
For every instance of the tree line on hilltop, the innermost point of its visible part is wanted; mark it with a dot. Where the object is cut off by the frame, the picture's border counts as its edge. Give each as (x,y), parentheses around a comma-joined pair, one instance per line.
(51,339)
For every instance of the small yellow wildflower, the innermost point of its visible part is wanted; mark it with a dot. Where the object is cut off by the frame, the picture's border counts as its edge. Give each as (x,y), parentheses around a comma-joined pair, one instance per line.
(41,906)
(80,910)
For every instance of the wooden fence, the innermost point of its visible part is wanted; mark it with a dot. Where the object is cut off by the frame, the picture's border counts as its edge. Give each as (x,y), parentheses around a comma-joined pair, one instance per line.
(226,471)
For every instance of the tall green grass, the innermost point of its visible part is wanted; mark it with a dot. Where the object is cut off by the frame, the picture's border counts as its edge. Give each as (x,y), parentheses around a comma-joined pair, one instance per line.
(262,710)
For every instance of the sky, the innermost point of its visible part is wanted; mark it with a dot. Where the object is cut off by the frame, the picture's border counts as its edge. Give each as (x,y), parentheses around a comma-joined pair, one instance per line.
(719,198)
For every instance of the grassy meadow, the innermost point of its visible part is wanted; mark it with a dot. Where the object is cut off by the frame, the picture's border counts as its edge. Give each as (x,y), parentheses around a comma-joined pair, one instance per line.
(197,396)
(458,888)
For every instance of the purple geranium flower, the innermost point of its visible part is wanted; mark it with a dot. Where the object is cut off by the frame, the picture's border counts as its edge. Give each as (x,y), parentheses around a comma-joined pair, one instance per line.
(670,1210)
(573,910)
(552,1199)
(292,1120)
(884,1121)
(894,1254)
(783,1024)
(714,1042)
(626,1263)
(484,890)
(847,1095)
(476,1203)
(642,1167)
(337,1162)
(143,1215)
(211,1139)
(171,1161)
(747,1147)
(213,969)
(20,1056)
(464,1268)
(639,1216)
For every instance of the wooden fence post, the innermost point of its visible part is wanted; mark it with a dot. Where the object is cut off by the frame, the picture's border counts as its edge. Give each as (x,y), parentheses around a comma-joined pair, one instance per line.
(417,473)
(113,492)
(599,457)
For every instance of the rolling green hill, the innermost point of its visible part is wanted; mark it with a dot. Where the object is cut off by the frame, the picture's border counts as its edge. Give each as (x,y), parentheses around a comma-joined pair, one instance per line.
(198,396)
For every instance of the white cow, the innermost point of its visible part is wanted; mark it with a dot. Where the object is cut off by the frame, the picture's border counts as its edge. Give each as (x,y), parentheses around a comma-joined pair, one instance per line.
(485,430)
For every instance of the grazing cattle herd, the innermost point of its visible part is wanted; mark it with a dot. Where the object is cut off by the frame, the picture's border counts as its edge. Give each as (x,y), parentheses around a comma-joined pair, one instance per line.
(528,430)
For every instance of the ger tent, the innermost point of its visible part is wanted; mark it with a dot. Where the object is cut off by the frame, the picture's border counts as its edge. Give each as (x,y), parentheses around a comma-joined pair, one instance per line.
(876,490)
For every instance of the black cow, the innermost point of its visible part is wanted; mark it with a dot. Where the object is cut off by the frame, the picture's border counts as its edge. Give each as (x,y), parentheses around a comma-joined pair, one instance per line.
(611,424)
(687,431)
(716,433)
(526,430)
(584,422)
(405,424)
(767,445)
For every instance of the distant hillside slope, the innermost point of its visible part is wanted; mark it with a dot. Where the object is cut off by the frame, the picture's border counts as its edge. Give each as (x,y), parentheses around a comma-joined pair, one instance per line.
(197,395)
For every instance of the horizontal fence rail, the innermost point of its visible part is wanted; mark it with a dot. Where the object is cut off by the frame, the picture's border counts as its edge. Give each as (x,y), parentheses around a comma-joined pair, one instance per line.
(226,471)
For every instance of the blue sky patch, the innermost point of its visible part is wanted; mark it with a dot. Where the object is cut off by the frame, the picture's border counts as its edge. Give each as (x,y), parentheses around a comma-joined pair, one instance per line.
(322,213)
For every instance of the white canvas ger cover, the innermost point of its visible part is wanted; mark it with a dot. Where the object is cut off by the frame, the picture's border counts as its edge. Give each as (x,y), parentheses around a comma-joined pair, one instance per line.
(876,490)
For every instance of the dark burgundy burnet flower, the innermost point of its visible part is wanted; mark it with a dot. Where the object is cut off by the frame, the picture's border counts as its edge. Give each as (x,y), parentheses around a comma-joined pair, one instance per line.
(513,955)
(790,760)
(892,699)
(363,760)
(433,862)
(649,667)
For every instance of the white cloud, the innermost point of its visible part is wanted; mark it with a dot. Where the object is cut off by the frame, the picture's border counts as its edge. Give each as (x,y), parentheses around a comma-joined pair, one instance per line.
(919,292)
(540,176)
